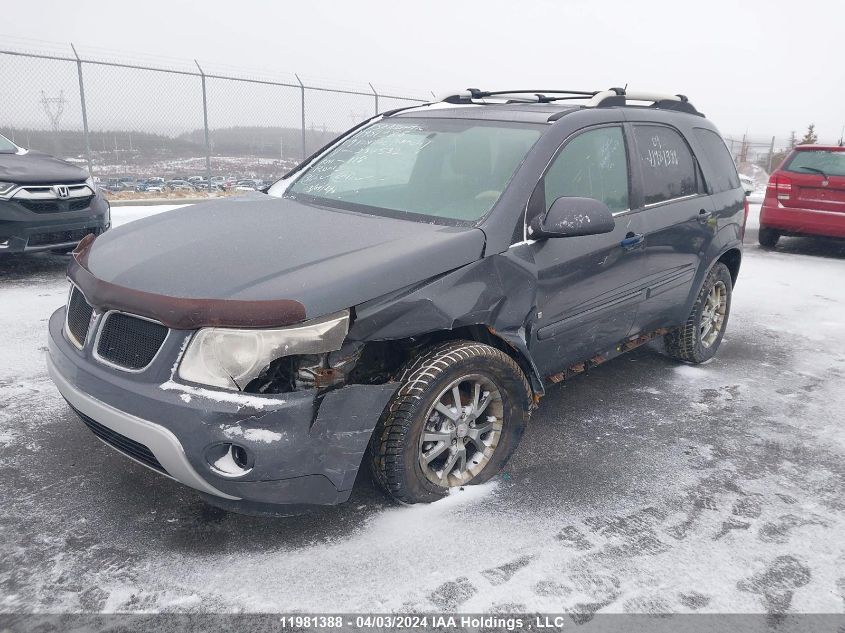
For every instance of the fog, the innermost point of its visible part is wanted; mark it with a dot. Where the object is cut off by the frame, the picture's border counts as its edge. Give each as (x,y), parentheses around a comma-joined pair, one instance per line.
(762,67)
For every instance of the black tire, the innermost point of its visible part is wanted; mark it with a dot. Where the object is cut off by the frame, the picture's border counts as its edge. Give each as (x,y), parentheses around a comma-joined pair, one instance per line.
(768,238)
(396,442)
(685,343)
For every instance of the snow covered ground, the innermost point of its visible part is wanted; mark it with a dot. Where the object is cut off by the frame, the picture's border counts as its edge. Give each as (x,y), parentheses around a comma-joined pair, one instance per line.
(645,486)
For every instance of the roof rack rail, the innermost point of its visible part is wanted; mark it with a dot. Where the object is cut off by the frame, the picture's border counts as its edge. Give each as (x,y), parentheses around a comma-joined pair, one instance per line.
(593,99)
(620,97)
(474,95)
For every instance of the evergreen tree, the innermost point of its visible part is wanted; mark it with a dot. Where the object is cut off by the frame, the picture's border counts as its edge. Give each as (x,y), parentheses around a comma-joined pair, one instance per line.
(793,140)
(810,138)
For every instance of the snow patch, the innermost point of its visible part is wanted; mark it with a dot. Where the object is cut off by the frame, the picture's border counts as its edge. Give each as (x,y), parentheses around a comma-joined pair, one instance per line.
(690,372)
(227,465)
(253,435)
(235,397)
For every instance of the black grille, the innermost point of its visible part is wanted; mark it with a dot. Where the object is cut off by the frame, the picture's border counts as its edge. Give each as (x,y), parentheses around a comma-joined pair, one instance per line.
(78,316)
(59,237)
(130,342)
(122,443)
(56,206)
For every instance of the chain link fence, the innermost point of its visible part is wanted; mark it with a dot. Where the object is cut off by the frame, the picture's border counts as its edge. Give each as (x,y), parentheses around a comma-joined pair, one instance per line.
(135,124)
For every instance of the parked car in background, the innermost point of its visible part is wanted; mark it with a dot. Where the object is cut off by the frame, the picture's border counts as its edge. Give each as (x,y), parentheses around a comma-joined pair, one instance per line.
(747,183)
(180,185)
(151,185)
(247,185)
(406,295)
(46,203)
(805,195)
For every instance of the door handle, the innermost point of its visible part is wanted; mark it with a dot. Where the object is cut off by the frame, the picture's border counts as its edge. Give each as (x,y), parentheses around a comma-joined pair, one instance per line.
(632,240)
(704,215)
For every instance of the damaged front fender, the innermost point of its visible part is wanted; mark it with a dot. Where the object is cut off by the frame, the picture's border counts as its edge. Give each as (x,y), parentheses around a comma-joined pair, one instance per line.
(498,293)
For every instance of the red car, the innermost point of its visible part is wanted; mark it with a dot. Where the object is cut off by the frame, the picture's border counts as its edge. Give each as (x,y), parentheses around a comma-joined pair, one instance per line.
(806,195)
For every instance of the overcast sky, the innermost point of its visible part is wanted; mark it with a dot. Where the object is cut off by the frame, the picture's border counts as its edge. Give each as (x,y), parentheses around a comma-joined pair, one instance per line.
(767,67)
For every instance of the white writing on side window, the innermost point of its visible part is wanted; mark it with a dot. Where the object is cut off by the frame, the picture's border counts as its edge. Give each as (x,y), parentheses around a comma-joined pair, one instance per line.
(659,157)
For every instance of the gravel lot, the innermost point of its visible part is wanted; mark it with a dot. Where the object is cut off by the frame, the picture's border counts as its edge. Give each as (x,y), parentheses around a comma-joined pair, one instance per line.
(645,486)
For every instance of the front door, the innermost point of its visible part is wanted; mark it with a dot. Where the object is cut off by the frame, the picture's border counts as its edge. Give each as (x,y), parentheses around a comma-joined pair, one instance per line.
(589,287)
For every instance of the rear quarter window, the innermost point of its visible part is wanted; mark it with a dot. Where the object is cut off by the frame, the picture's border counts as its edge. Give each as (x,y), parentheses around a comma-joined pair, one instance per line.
(724,176)
(666,162)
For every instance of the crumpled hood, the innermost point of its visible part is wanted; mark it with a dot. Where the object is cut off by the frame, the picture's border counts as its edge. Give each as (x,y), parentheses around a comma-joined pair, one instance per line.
(256,248)
(35,168)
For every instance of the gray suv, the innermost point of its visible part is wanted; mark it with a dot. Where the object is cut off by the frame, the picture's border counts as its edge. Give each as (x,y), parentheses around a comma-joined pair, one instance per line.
(403,297)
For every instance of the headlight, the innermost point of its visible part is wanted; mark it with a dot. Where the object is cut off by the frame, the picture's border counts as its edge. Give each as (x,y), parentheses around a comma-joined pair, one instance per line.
(230,358)
(7,188)
(90,182)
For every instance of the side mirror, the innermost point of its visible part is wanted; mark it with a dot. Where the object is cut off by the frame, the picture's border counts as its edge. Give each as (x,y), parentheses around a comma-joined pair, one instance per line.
(571,217)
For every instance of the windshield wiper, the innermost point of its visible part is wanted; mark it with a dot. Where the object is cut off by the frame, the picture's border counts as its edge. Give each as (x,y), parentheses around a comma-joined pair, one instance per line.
(815,169)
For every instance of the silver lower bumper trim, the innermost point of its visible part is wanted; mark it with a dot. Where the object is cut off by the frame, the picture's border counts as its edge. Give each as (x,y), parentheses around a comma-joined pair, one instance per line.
(163,443)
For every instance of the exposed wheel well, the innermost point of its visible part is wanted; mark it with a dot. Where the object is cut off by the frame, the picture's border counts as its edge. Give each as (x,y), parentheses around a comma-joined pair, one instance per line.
(392,355)
(732,260)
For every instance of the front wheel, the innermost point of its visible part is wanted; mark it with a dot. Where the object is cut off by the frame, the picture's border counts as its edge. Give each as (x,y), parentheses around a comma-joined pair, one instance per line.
(699,338)
(457,417)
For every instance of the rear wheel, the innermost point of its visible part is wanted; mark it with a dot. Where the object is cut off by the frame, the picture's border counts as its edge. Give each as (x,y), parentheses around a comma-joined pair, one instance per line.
(768,238)
(699,338)
(457,417)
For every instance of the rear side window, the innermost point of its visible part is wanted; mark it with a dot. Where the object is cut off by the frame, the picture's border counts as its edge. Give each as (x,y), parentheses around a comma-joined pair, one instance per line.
(724,177)
(594,164)
(820,161)
(666,162)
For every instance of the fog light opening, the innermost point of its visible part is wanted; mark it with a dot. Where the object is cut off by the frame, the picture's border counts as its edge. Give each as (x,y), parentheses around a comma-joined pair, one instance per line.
(229,460)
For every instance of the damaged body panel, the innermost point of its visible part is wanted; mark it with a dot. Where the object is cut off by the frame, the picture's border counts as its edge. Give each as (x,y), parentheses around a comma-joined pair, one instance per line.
(388,295)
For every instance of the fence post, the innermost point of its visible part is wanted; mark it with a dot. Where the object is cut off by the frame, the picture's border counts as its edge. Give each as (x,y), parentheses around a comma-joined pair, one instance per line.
(302,89)
(205,125)
(84,111)
(771,153)
(376,94)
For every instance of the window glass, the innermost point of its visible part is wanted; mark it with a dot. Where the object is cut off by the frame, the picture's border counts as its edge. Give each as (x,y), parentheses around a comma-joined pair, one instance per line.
(592,165)
(443,168)
(725,177)
(666,162)
(830,163)
(6,146)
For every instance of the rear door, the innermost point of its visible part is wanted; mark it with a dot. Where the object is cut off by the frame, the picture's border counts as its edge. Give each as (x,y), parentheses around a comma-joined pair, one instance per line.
(589,287)
(678,221)
(818,179)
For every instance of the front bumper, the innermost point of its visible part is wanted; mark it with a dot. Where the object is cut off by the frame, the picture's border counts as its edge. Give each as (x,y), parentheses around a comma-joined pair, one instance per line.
(22,230)
(797,221)
(306,447)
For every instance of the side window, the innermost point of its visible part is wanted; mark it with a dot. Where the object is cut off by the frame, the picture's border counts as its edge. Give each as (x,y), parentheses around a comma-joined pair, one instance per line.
(666,162)
(724,177)
(594,164)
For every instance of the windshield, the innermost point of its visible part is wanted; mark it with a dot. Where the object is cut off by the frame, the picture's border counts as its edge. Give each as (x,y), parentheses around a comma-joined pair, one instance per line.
(6,146)
(440,168)
(827,162)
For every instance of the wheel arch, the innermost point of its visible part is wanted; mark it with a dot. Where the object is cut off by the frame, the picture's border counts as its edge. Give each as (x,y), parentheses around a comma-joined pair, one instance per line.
(514,347)
(732,258)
